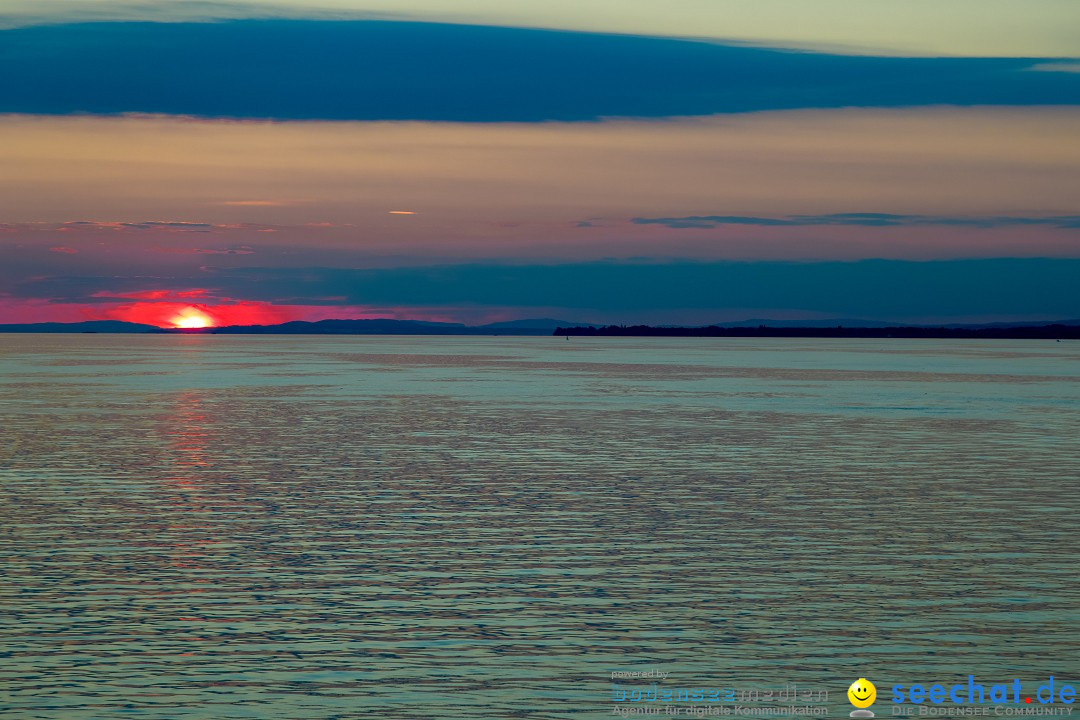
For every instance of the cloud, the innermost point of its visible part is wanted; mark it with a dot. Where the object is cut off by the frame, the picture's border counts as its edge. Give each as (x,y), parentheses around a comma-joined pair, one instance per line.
(157,226)
(234,250)
(379,70)
(860,220)
(162,295)
(18,13)
(177,226)
(256,203)
(172,226)
(63,249)
(521,187)
(239,250)
(1069,66)
(874,289)
(956,28)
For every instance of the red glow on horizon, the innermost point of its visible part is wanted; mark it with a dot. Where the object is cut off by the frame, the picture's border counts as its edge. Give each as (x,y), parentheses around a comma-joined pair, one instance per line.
(161,308)
(197,316)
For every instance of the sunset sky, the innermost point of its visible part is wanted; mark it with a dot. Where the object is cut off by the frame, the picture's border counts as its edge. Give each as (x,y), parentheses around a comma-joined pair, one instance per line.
(686,161)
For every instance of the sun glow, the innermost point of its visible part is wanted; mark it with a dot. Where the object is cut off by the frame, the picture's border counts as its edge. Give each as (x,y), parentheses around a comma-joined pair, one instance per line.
(192,318)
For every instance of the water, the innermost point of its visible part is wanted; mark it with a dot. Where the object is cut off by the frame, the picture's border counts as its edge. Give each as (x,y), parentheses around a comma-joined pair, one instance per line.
(481,527)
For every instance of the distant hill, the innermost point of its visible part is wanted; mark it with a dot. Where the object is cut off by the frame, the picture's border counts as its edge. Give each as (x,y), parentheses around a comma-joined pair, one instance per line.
(345,327)
(90,326)
(389,327)
(393,327)
(534,324)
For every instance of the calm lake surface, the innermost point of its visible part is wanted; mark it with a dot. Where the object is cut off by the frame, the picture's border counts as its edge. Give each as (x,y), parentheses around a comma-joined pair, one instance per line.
(481,527)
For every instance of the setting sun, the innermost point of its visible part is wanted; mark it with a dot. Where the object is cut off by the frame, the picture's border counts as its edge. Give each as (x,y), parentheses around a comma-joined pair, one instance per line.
(192,318)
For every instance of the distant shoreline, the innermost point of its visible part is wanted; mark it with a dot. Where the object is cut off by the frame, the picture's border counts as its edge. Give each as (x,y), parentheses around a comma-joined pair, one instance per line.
(1069,330)
(1042,332)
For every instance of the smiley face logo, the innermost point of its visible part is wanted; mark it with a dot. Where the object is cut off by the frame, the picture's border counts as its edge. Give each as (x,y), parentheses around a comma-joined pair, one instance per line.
(862,693)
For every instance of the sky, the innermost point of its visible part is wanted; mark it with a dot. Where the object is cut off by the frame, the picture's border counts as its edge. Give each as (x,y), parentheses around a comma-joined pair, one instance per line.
(687,161)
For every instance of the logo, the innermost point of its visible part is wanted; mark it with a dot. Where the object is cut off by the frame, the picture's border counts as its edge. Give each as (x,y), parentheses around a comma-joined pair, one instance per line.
(862,695)
(1001,696)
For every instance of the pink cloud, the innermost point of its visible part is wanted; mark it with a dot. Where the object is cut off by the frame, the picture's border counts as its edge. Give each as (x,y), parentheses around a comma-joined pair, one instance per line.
(154,294)
(257,203)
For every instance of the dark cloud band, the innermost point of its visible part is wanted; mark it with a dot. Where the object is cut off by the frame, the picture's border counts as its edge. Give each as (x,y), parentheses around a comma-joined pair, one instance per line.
(860,220)
(380,70)
(868,288)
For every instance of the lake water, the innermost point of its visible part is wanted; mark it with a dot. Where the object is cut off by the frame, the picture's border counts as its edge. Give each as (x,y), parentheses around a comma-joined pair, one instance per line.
(480,527)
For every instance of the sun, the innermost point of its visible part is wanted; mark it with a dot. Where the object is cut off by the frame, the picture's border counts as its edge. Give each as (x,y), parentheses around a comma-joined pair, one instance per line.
(192,318)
